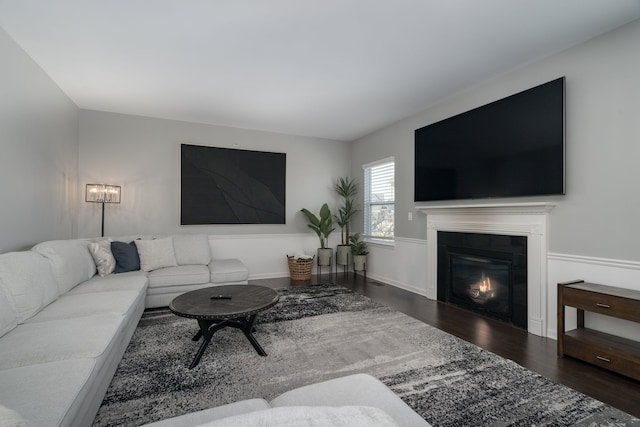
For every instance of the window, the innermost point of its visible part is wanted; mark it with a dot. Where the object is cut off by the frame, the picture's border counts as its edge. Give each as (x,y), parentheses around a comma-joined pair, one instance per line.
(379,199)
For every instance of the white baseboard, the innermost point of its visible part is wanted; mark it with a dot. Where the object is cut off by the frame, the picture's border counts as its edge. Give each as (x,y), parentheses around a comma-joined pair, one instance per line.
(274,275)
(397,284)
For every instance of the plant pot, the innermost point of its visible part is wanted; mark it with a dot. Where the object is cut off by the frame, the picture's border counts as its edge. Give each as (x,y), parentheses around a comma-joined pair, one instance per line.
(359,263)
(324,256)
(343,255)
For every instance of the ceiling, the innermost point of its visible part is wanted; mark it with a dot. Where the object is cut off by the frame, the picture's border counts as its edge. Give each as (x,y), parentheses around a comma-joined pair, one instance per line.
(337,69)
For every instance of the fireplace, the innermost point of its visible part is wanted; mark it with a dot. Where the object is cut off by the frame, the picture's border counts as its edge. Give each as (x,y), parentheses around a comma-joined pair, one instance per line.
(507,219)
(485,273)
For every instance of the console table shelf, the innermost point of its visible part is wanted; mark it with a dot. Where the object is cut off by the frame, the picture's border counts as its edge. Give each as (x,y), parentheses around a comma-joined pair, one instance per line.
(609,351)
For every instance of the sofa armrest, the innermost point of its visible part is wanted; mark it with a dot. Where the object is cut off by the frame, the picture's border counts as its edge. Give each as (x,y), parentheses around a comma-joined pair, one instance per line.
(358,390)
(216,413)
(309,416)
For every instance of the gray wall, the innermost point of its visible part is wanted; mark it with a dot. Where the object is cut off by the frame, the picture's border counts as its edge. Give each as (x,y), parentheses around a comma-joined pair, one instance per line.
(598,217)
(143,156)
(42,187)
(39,153)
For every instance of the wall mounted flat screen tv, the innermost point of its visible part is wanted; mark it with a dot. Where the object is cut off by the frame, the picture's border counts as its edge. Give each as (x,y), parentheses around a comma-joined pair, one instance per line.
(512,147)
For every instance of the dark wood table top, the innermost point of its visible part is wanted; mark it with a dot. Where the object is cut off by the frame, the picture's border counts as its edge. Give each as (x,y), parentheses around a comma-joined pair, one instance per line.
(245,300)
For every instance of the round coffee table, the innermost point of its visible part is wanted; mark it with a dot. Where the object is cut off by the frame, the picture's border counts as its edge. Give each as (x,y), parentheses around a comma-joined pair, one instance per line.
(217,307)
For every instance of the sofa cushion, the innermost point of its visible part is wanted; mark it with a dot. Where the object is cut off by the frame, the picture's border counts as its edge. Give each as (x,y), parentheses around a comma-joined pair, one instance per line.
(228,270)
(192,249)
(157,253)
(45,394)
(180,275)
(129,281)
(28,282)
(126,255)
(80,305)
(102,256)
(71,261)
(8,319)
(10,418)
(162,296)
(357,389)
(75,338)
(313,416)
(128,238)
(215,413)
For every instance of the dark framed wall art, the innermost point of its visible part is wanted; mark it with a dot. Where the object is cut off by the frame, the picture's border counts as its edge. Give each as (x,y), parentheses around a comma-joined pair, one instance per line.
(231,186)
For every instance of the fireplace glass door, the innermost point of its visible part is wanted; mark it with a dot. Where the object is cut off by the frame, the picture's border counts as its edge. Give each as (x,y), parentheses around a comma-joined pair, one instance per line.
(482,284)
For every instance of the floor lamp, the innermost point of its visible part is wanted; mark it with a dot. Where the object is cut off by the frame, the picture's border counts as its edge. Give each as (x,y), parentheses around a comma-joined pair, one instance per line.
(102,193)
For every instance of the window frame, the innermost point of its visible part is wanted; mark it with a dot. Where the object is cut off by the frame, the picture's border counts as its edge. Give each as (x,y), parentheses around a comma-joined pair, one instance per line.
(368,203)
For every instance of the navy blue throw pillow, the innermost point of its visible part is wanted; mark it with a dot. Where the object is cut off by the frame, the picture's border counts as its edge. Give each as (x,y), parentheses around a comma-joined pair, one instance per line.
(126,255)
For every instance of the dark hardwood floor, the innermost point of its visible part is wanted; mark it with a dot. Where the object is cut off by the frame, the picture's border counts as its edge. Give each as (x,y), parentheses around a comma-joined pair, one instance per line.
(535,353)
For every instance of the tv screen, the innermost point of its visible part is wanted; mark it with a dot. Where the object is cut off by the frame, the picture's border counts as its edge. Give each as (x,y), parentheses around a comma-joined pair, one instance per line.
(509,148)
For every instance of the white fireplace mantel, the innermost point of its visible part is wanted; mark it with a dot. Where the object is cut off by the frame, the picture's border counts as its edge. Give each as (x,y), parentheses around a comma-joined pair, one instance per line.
(513,219)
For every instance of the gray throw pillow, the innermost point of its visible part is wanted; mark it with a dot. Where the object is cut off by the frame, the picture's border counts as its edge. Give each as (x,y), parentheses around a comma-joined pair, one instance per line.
(126,255)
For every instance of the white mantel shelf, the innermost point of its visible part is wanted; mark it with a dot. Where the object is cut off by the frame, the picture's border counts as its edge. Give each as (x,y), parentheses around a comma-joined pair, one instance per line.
(517,219)
(491,209)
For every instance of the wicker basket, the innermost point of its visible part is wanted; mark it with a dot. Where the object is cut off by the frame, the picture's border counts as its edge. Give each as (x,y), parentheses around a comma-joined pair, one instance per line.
(300,269)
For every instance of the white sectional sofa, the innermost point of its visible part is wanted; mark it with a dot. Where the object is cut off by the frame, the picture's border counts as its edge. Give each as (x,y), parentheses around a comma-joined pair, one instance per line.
(64,328)
(195,268)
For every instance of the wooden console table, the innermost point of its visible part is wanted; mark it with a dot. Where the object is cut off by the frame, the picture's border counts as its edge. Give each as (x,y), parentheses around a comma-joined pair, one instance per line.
(608,351)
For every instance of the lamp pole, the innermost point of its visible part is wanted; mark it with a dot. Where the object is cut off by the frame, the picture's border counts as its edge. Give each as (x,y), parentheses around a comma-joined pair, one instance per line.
(102,219)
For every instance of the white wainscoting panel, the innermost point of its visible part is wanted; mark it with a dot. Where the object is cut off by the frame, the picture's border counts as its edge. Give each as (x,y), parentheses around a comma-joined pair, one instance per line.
(401,265)
(265,255)
(620,273)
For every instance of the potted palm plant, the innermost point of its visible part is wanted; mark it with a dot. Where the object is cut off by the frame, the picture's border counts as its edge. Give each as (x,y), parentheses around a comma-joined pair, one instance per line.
(347,189)
(359,251)
(323,226)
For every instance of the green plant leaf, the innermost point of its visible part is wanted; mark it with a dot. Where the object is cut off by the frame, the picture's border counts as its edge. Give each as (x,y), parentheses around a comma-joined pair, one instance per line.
(313,219)
(346,187)
(323,226)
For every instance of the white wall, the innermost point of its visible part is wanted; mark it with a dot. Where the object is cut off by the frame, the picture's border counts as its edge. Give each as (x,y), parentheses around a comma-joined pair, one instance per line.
(598,215)
(143,156)
(39,153)
(38,126)
(401,265)
(598,218)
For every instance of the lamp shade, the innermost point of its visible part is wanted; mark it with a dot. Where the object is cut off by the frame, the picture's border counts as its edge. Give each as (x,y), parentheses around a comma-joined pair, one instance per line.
(102,193)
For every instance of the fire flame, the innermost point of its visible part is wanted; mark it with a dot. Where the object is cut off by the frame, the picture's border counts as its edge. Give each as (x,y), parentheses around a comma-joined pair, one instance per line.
(482,290)
(485,285)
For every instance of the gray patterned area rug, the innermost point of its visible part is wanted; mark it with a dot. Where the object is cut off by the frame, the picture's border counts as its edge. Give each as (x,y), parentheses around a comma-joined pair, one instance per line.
(320,332)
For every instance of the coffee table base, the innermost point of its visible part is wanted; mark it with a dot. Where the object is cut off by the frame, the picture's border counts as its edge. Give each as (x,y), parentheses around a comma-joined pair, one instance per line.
(209,327)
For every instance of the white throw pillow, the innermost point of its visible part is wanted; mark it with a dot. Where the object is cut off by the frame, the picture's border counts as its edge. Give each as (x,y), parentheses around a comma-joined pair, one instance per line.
(157,253)
(10,418)
(192,249)
(102,256)
(7,315)
(28,282)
